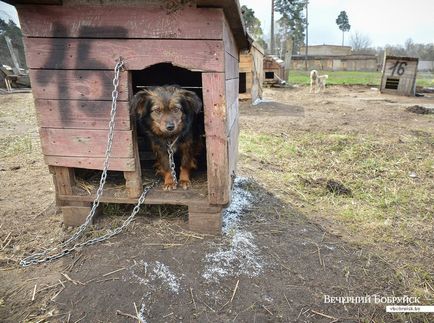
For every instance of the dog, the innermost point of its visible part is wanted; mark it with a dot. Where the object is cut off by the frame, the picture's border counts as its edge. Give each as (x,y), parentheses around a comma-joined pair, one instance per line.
(167,114)
(317,82)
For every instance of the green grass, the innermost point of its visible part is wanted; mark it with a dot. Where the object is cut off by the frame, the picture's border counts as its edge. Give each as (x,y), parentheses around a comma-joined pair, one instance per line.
(376,170)
(15,145)
(354,78)
(387,207)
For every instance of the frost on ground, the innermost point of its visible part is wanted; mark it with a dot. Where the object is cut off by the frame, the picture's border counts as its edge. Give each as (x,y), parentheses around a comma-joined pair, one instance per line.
(241,199)
(154,275)
(148,273)
(241,256)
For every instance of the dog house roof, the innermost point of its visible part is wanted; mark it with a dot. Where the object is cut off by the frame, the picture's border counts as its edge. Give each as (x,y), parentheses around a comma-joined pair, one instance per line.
(231,9)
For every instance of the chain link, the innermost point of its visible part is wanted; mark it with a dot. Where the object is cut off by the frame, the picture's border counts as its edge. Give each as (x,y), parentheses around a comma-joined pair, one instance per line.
(171,154)
(41,257)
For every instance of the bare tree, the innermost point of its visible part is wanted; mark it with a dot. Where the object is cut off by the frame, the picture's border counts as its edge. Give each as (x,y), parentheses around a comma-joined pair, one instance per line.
(360,43)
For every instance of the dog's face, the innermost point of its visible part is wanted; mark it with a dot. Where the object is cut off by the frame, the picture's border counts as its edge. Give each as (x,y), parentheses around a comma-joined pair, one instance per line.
(166,110)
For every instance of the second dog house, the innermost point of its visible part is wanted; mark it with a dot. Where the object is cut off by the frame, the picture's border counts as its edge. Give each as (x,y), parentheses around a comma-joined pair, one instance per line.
(71,49)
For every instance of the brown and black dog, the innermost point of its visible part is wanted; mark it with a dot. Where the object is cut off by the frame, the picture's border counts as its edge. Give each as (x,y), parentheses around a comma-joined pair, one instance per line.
(167,114)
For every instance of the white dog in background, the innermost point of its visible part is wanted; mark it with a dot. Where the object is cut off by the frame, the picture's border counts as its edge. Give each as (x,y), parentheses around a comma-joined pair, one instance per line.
(317,82)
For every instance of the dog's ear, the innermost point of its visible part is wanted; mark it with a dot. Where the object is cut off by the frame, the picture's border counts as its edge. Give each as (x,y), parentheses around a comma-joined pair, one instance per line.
(191,101)
(140,103)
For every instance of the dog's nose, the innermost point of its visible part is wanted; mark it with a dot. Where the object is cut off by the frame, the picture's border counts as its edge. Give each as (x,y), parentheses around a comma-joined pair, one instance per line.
(170,126)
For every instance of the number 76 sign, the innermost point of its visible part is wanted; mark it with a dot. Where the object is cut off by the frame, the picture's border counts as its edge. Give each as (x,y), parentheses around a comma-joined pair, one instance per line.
(399,75)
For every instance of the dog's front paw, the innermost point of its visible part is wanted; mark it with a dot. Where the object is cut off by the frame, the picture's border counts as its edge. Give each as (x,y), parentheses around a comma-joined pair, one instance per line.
(185,184)
(169,186)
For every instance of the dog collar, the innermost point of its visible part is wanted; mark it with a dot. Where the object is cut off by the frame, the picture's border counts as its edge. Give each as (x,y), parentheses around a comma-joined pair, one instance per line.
(171,144)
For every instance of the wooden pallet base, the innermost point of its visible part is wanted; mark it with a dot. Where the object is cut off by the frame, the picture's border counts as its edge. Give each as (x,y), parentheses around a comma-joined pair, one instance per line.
(201,219)
(75,203)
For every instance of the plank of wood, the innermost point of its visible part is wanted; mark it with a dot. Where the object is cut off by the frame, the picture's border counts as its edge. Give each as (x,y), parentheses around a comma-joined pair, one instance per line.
(133,179)
(84,143)
(119,164)
(80,114)
(231,88)
(229,40)
(216,140)
(64,179)
(208,223)
(121,21)
(100,54)
(74,216)
(80,85)
(189,197)
(231,67)
(233,14)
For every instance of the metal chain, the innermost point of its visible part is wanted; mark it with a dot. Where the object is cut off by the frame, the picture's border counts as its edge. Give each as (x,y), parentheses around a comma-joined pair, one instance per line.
(41,257)
(172,165)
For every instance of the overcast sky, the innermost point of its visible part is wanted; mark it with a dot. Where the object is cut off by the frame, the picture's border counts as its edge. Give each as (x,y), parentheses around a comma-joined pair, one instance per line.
(383,21)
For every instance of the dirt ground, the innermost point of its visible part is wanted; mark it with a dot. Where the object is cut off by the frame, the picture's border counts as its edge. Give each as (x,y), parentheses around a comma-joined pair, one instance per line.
(277,261)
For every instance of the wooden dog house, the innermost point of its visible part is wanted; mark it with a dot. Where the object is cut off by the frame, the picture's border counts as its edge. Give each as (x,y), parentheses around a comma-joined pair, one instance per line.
(251,73)
(399,75)
(274,70)
(71,49)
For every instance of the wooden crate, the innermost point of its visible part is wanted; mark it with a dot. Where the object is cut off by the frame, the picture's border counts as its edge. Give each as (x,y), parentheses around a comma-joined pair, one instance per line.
(71,48)
(399,75)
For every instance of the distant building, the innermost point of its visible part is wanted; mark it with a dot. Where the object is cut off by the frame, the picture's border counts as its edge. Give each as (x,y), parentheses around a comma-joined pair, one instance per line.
(333,58)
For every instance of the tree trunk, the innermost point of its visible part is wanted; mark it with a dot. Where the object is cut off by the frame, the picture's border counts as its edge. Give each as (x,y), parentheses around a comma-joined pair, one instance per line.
(343,38)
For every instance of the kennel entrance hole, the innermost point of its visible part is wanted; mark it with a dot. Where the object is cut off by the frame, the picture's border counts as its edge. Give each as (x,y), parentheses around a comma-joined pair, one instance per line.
(269,75)
(243,83)
(392,83)
(168,74)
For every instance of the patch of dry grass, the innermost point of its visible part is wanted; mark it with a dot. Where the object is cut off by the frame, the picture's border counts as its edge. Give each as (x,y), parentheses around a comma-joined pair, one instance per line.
(391,181)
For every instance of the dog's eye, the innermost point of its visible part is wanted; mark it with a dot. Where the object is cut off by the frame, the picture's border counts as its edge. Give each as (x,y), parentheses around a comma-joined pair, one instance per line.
(177,108)
(157,110)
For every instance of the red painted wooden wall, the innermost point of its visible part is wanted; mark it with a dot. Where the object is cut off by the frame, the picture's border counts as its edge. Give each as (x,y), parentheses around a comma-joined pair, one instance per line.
(71,53)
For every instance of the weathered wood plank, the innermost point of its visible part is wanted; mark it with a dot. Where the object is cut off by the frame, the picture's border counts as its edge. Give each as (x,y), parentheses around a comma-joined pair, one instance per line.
(64,180)
(231,90)
(119,164)
(231,67)
(133,179)
(100,54)
(81,85)
(194,196)
(74,216)
(216,137)
(208,223)
(229,40)
(85,143)
(80,114)
(232,12)
(121,21)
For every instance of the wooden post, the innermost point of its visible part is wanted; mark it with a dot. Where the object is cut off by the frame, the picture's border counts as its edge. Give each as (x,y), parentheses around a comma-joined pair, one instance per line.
(74,212)
(133,180)
(64,180)
(205,219)
(214,103)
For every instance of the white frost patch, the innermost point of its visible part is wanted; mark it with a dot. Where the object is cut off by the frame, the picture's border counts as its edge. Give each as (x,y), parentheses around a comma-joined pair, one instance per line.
(241,199)
(162,272)
(147,274)
(242,255)
(259,101)
(141,315)
(242,258)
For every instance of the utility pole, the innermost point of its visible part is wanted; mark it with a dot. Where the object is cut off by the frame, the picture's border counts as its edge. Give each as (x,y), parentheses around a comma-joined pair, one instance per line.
(272,28)
(307,35)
